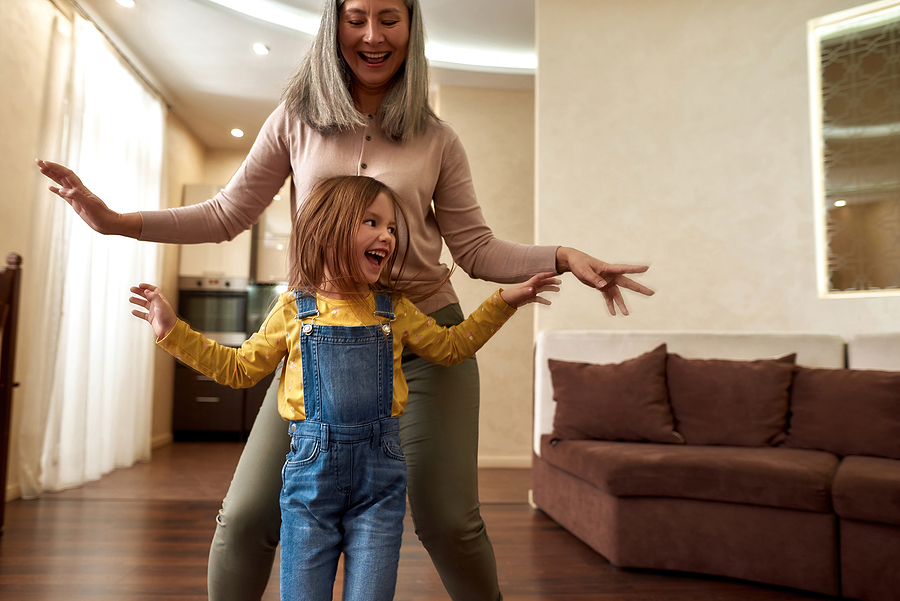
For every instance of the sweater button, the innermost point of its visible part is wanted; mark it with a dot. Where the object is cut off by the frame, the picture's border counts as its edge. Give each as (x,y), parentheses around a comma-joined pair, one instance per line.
(364,166)
(370,116)
(368,138)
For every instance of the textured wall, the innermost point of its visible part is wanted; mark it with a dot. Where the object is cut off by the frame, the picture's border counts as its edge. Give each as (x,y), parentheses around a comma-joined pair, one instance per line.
(25,33)
(497,130)
(185,158)
(677,133)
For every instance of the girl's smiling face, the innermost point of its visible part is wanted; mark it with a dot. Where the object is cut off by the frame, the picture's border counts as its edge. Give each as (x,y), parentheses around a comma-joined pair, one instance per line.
(376,238)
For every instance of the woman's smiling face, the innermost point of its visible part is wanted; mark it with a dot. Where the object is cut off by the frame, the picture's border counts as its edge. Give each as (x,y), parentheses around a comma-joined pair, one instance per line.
(374,36)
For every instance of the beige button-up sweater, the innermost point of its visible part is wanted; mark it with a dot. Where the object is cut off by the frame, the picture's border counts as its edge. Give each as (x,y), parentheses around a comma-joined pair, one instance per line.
(430,174)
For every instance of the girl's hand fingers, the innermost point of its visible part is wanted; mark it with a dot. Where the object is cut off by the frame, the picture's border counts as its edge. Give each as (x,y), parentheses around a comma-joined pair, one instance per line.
(139,301)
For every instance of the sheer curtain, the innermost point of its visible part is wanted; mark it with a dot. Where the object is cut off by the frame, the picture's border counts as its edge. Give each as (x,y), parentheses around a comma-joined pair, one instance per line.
(88,408)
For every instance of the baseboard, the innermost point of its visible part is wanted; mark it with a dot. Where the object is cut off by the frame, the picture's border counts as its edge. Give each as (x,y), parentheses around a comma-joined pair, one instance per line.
(509,461)
(13,492)
(161,440)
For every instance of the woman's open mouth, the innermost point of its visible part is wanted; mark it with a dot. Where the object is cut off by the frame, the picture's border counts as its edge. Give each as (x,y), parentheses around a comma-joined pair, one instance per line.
(374,58)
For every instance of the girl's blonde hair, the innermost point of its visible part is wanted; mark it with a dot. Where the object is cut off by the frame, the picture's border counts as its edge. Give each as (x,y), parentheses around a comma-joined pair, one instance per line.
(320,93)
(327,223)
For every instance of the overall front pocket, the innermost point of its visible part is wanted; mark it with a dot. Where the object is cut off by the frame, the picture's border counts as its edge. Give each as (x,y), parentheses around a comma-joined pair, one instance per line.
(304,450)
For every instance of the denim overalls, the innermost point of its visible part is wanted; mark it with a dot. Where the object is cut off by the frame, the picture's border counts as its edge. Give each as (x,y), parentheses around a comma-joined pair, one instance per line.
(345,476)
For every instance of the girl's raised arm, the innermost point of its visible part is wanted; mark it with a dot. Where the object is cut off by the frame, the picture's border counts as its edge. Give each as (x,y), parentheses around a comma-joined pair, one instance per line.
(158,312)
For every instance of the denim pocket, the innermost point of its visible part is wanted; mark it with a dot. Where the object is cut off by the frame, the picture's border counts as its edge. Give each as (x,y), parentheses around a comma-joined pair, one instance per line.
(304,450)
(390,444)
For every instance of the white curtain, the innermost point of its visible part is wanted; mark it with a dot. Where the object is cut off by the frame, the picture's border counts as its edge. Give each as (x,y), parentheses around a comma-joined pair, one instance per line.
(87,407)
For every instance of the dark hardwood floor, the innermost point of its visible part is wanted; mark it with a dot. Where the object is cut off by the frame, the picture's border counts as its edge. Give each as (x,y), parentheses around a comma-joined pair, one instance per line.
(143,534)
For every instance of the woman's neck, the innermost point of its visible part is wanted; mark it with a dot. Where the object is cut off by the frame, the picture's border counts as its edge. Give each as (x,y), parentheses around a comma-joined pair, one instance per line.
(368,102)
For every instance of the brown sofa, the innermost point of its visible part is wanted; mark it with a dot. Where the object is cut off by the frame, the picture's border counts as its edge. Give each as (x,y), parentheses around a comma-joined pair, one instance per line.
(750,455)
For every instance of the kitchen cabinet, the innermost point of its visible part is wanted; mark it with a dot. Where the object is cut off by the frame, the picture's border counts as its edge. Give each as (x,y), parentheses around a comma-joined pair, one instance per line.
(271,240)
(206,410)
(225,259)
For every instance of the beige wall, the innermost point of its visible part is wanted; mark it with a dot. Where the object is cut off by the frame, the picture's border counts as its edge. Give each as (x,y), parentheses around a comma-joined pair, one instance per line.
(677,133)
(187,162)
(497,130)
(24,46)
(25,31)
(220,165)
(185,159)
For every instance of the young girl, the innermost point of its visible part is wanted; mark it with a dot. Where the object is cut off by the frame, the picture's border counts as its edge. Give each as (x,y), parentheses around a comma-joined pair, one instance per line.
(341,332)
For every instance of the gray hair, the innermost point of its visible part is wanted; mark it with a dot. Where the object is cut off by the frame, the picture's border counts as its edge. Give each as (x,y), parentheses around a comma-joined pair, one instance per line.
(320,92)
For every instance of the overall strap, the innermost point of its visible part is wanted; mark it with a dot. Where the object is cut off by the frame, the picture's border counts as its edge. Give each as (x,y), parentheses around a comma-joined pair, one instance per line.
(306,305)
(384,306)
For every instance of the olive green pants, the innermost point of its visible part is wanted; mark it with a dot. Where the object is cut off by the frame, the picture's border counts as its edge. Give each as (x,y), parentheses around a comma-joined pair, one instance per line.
(439,433)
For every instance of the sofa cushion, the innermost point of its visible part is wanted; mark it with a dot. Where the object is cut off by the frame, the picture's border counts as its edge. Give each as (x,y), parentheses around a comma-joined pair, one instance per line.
(846,412)
(784,478)
(724,402)
(622,401)
(868,489)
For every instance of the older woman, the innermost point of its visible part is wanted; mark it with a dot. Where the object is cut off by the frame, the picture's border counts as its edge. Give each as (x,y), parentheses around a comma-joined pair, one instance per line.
(359,105)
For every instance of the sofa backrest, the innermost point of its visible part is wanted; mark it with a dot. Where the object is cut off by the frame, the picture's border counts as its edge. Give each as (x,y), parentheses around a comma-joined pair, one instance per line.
(599,346)
(874,351)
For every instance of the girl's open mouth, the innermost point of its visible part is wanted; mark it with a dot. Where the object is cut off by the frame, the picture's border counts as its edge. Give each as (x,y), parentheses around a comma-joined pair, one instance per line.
(376,257)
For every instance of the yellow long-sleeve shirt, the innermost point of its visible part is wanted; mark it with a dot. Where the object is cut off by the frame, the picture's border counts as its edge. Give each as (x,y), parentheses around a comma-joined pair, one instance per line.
(279,336)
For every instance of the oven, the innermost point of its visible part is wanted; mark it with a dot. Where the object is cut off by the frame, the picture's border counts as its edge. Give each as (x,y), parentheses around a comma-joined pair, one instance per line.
(215,306)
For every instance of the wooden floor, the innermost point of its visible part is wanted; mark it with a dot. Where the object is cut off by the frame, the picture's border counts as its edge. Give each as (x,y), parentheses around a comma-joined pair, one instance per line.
(143,534)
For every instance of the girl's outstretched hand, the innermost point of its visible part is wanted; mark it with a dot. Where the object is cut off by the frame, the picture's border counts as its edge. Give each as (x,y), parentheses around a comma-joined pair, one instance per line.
(87,205)
(159,312)
(527,292)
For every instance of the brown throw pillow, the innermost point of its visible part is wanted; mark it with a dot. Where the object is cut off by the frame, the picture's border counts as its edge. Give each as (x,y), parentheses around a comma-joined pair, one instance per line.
(621,401)
(846,412)
(737,403)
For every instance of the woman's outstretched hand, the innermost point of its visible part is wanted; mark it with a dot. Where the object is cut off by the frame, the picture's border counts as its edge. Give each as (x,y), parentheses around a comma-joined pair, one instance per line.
(158,313)
(605,277)
(527,292)
(87,205)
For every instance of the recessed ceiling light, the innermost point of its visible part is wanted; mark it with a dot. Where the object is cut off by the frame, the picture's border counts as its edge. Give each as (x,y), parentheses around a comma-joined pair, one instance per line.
(840,203)
(237,133)
(260,49)
(126,3)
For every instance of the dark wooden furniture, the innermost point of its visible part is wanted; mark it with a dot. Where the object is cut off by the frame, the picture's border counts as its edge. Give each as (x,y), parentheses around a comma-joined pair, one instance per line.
(205,410)
(10,282)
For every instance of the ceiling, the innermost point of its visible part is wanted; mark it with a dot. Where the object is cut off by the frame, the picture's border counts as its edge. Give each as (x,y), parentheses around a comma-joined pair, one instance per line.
(198,54)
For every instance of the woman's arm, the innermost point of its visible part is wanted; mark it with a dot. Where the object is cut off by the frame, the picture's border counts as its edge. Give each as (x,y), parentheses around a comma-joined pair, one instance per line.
(87,205)
(481,255)
(468,237)
(239,205)
(221,218)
